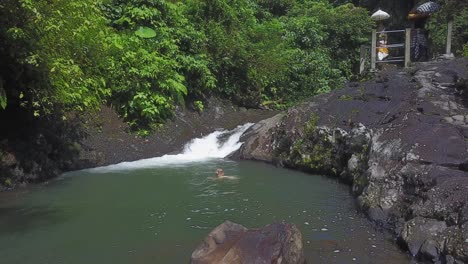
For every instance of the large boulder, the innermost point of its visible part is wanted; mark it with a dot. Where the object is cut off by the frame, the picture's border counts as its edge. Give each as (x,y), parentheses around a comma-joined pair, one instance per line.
(234,244)
(257,139)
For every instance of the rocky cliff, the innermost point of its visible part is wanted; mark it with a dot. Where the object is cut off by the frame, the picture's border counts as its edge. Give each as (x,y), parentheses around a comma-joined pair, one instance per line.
(400,141)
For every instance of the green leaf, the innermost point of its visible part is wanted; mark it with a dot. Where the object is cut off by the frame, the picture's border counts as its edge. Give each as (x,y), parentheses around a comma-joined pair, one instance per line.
(3,98)
(145,32)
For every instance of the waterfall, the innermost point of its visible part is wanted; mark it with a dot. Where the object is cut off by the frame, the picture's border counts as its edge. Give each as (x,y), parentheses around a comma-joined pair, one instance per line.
(216,145)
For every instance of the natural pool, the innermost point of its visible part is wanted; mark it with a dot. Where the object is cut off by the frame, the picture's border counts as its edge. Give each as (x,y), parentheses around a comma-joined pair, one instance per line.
(158,210)
(159,215)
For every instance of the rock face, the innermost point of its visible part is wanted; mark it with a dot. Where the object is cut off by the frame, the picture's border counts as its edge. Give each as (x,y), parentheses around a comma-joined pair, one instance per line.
(109,142)
(234,244)
(35,150)
(401,141)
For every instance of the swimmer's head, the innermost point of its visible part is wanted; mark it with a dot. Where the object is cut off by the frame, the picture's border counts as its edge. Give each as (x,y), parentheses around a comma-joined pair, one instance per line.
(219,172)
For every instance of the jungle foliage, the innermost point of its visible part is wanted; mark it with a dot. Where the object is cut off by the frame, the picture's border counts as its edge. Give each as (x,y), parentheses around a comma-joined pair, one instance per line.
(146,56)
(457,12)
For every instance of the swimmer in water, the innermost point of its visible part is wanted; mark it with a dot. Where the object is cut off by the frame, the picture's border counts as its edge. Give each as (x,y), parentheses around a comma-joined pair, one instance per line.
(220,175)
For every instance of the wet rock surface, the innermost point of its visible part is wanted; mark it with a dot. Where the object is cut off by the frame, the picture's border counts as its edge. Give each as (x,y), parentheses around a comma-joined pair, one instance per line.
(233,243)
(109,141)
(400,140)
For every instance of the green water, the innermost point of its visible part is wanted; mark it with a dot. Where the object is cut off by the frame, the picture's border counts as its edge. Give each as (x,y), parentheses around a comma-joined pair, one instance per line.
(160,215)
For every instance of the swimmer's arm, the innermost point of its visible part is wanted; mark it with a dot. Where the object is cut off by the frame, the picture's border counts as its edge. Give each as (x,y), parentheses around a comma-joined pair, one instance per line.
(230,177)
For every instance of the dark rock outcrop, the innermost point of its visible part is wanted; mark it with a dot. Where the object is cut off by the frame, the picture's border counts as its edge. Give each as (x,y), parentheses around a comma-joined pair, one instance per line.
(401,141)
(232,243)
(35,149)
(109,141)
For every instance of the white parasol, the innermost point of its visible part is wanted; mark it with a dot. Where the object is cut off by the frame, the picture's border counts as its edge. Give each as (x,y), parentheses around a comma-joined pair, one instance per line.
(380,15)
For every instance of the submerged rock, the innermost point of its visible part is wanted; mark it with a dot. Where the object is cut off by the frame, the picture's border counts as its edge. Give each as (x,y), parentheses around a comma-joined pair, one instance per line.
(402,144)
(233,243)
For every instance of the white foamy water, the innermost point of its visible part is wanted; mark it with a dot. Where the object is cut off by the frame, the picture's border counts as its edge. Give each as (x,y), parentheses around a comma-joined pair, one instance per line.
(199,149)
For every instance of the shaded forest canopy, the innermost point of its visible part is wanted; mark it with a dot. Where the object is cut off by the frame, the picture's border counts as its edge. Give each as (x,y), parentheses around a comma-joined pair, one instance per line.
(146,56)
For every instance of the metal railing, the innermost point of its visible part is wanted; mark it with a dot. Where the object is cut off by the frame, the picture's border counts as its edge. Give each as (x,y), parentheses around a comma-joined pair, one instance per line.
(365,50)
(406,59)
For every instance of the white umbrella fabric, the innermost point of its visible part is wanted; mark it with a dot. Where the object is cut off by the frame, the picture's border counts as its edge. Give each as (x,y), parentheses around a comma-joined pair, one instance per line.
(380,15)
